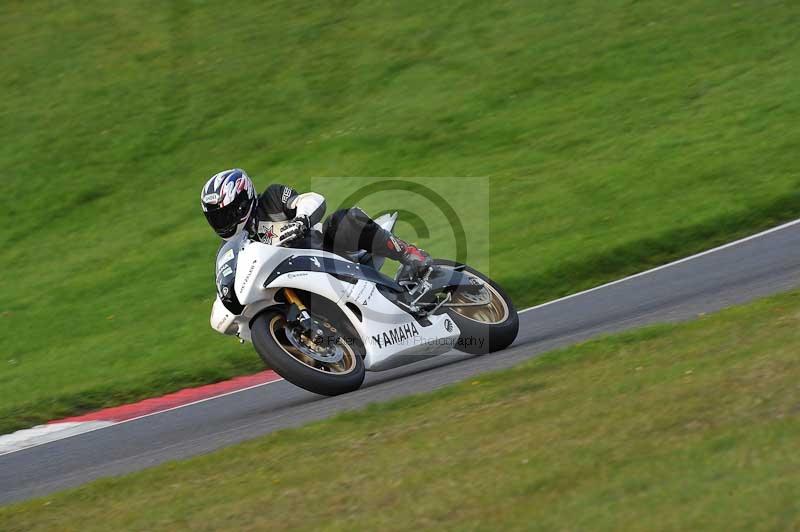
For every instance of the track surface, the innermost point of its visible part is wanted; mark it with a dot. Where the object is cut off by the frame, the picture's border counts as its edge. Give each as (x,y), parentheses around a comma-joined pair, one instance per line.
(758,266)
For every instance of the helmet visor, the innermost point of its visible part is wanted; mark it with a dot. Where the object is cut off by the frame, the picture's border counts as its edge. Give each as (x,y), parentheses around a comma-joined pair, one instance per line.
(225,220)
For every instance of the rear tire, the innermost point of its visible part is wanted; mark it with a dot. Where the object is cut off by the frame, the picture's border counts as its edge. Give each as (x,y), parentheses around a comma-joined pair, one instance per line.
(481,337)
(266,333)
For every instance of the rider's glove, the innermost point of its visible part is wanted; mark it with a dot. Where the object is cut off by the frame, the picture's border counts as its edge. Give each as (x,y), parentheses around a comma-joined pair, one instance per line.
(293,230)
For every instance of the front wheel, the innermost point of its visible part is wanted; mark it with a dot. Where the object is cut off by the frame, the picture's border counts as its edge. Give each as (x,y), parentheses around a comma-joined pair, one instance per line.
(334,370)
(488,321)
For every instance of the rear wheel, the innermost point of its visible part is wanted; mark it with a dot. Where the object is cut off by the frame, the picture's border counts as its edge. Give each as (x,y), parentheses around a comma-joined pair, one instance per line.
(331,368)
(487,317)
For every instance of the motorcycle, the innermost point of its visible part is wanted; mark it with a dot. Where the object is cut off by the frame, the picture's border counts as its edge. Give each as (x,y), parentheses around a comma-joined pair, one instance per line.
(321,320)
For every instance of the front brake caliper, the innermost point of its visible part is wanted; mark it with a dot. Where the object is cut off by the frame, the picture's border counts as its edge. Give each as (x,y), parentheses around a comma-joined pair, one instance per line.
(308,326)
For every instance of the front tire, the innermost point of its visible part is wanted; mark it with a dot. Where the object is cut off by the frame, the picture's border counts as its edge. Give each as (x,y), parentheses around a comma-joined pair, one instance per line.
(484,329)
(269,335)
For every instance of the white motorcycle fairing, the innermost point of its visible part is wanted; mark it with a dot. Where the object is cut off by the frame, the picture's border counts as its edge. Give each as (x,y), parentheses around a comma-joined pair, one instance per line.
(391,336)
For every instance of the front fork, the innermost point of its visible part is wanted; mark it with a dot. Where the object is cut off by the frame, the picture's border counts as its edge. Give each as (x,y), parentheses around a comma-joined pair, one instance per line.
(298,313)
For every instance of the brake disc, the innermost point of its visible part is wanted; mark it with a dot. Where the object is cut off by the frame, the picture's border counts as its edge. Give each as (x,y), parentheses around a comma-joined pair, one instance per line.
(331,354)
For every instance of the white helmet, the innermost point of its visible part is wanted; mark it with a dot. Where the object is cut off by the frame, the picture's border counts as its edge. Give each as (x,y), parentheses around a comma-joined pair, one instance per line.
(228,200)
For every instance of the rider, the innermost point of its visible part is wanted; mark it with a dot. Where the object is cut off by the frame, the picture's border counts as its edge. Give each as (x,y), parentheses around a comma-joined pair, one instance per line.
(230,205)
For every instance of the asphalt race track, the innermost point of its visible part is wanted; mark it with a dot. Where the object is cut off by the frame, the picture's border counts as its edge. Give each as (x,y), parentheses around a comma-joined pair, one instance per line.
(736,273)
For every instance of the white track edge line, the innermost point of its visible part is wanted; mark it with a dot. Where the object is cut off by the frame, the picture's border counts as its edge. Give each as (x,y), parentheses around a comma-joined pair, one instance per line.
(612,283)
(668,265)
(115,423)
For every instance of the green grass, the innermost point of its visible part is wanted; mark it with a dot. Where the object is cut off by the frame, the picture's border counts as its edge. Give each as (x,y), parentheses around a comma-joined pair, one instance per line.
(681,427)
(615,135)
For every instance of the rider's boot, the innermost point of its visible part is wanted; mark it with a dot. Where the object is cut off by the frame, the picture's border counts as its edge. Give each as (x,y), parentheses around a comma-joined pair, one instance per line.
(416,261)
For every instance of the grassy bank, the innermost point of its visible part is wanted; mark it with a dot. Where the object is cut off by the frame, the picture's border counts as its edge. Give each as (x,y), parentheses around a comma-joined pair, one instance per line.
(684,427)
(614,136)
